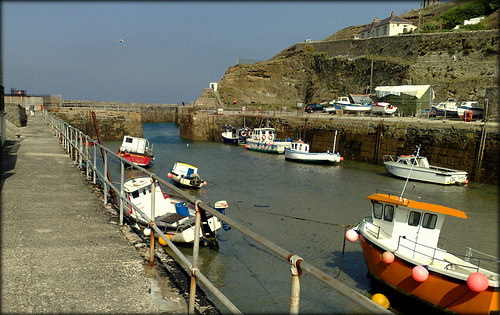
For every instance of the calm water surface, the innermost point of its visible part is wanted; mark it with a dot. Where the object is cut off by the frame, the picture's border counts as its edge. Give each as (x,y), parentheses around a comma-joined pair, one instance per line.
(303,208)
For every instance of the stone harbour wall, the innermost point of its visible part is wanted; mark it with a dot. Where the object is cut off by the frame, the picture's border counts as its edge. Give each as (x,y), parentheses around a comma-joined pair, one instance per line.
(113,125)
(455,145)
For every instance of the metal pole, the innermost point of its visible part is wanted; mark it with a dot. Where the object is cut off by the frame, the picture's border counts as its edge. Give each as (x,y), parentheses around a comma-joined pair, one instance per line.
(122,181)
(151,224)
(94,179)
(295,292)
(334,140)
(105,156)
(194,267)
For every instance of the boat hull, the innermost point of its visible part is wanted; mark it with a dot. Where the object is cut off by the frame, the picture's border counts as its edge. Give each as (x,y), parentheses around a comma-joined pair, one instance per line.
(275,147)
(228,140)
(383,109)
(312,158)
(352,109)
(137,159)
(438,290)
(436,175)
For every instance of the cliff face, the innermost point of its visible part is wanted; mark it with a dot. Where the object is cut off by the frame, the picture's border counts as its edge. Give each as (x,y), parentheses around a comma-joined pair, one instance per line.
(462,65)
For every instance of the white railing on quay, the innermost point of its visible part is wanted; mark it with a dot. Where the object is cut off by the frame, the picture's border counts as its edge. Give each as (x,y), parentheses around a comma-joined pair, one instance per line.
(76,143)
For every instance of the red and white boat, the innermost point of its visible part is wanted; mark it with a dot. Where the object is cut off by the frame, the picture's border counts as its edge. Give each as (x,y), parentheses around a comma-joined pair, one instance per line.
(400,245)
(383,108)
(136,150)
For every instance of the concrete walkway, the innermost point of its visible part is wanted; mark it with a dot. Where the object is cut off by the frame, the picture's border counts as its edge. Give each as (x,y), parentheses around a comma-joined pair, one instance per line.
(61,250)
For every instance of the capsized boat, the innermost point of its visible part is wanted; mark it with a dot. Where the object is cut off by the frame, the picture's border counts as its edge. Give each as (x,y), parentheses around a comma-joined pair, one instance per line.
(403,249)
(264,140)
(416,167)
(136,150)
(173,214)
(299,152)
(186,175)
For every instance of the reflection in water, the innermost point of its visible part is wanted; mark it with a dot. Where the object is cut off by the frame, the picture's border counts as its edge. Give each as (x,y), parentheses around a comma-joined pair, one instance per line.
(303,208)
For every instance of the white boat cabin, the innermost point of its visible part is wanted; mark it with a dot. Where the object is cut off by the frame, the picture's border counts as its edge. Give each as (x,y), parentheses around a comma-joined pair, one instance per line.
(264,134)
(410,227)
(135,145)
(416,161)
(299,146)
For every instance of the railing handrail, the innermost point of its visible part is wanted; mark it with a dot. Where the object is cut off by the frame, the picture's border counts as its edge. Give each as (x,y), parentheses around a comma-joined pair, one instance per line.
(69,141)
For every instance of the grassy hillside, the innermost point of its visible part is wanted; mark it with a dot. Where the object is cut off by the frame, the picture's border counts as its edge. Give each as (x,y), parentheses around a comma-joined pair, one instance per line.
(441,18)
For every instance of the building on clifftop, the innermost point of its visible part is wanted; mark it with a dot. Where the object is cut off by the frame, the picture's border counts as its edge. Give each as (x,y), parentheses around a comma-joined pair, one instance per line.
(391,26)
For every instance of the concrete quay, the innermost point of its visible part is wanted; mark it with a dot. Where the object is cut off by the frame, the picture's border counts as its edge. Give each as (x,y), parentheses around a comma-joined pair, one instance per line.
(61,250)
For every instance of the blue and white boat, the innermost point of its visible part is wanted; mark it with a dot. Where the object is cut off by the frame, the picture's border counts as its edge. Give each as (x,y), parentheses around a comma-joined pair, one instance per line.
(230,135)
(299,152)
(264,140)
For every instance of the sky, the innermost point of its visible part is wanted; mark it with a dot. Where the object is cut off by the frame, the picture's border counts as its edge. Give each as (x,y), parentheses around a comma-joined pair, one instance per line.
(170,51)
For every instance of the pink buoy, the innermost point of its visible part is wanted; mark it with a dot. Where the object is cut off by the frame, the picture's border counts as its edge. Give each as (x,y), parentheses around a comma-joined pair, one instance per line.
(477,282)
(351,235)
(170,175)
(419,273)
(341,158)
(204,183)
(387,257)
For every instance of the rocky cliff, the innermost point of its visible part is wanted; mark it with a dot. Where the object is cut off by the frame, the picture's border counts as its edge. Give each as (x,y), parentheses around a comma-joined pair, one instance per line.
(462,65)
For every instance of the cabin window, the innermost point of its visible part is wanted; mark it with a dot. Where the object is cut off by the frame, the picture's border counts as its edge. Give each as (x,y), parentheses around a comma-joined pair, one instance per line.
(377,210)
(135,194)
(388,213)
(414,218)
(129,140)
(144,191)
(429,221)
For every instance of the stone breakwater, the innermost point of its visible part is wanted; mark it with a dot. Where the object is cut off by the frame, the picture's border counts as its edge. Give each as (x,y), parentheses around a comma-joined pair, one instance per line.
(452,144)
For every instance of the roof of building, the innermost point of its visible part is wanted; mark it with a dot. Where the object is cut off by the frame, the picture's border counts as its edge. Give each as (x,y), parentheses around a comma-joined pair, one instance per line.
(392,19)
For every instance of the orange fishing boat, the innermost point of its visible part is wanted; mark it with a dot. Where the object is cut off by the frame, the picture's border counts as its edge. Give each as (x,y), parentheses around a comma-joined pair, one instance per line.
(403,249)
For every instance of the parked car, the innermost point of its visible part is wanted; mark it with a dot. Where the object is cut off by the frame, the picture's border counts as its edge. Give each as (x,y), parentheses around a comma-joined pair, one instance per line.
(311,108)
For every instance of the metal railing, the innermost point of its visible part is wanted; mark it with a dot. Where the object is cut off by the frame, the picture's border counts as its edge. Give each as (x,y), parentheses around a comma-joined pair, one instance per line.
(76,143)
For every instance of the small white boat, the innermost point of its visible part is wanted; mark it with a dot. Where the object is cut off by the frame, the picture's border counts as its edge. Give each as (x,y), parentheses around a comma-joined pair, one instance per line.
(174,215)
(416,167)
(186,175)
(383,108)
(230,135)
(403,249)
(264,140)
(299,152)
(136,150)
(469,111)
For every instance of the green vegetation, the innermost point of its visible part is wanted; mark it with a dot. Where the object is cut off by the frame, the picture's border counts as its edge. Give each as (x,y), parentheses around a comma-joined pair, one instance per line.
(466,11)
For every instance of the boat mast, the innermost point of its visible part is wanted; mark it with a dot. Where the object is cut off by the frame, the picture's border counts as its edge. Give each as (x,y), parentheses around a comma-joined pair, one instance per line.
(413,162)
(334,140)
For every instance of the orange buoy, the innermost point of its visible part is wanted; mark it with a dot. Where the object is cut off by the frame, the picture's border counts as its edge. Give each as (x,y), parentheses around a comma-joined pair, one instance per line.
(381,300)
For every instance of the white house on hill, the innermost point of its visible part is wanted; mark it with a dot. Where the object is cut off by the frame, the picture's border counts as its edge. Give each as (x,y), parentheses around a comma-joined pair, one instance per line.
(391,26)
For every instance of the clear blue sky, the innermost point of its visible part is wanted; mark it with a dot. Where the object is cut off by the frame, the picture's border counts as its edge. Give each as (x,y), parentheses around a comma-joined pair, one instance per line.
(170,50)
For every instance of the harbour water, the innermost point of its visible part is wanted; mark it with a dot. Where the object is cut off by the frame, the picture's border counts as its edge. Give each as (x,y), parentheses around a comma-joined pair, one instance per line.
(304,208)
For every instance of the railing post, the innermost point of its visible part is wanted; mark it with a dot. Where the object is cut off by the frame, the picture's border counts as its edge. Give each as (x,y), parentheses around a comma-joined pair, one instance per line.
(122,181)
(295,291)
(151,224)
(105,188)
(94,179)
(194,267)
